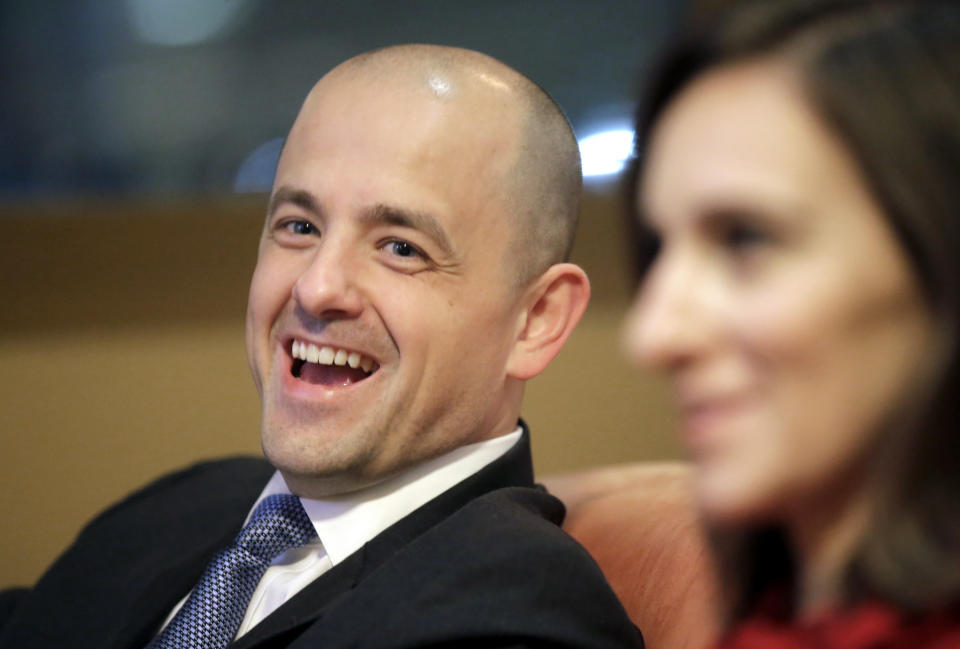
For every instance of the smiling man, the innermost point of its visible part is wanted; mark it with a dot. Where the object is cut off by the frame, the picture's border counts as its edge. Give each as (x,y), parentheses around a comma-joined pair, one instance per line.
(400,232)
(411,277)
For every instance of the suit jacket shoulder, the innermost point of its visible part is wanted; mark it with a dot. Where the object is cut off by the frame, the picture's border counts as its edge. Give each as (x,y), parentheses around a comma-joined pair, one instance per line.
(134,561)
(497,573)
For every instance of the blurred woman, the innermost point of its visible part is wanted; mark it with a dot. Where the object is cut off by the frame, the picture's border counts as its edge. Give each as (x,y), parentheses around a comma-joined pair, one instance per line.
(798,198)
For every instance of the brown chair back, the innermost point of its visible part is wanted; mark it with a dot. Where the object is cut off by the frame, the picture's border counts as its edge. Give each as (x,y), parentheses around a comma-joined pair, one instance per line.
(640,524)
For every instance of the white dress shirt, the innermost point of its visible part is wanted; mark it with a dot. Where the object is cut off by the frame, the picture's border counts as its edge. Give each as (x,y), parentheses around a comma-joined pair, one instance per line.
(346,522)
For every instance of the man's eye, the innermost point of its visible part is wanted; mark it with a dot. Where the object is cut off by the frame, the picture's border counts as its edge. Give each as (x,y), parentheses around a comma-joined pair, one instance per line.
(404,249)
(301,227)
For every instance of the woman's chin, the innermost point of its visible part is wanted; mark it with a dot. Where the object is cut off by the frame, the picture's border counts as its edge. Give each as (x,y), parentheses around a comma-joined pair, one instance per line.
(726,499)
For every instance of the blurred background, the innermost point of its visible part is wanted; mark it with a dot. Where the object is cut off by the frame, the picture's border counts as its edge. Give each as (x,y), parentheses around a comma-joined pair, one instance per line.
(137,143)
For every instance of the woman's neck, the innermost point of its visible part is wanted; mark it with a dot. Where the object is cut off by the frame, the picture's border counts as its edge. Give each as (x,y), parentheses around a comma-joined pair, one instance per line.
(824,536)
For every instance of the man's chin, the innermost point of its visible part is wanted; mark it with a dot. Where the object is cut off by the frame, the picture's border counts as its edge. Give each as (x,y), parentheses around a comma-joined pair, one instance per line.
(314,466)
(318,487)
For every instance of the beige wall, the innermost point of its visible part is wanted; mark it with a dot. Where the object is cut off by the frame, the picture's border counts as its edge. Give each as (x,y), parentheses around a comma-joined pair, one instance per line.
(121,357)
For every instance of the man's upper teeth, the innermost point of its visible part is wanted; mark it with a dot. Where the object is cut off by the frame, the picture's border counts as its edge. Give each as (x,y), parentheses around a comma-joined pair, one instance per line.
(325,355)
(331,356)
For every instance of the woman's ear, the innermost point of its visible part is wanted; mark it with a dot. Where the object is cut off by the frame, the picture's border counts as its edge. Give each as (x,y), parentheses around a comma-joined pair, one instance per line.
(556,300)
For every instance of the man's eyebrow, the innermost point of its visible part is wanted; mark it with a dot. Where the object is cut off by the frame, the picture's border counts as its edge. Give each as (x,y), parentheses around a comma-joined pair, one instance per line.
(421,221)
(299,197)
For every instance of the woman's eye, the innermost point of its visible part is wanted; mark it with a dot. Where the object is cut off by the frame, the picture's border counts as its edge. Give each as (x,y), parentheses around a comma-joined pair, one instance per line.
(741,237)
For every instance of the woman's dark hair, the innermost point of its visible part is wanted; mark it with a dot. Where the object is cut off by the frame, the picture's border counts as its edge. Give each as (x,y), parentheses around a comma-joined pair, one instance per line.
(884,76)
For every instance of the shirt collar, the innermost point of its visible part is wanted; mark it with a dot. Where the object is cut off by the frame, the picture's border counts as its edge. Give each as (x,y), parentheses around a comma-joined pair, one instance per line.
(346,522)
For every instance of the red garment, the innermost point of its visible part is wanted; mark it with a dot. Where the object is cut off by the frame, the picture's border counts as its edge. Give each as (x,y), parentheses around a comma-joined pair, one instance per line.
(867,626)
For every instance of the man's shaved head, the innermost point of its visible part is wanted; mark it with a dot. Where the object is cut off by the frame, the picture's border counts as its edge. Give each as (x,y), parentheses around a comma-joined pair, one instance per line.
(540,193)
(423,201)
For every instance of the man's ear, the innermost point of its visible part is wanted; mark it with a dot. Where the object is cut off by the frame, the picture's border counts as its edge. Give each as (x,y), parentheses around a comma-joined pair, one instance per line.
(555,301)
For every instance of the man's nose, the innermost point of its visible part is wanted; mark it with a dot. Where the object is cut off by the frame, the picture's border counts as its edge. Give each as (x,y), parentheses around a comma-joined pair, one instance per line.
(671,320)
(327,288)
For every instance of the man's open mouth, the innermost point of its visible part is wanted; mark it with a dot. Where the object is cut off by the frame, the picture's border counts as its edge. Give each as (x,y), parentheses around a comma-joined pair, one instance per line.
(322,365)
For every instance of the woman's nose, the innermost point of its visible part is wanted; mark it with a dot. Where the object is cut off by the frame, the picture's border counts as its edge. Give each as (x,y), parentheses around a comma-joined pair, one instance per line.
(670,319)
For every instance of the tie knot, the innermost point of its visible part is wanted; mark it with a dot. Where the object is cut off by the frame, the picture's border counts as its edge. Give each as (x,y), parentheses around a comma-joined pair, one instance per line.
(276,525)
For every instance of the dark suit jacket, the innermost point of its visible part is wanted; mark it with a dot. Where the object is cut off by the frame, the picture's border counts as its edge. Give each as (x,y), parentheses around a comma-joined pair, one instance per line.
(482,565)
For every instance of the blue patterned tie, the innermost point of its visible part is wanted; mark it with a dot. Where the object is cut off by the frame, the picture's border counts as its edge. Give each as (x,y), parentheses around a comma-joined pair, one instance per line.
(212,614)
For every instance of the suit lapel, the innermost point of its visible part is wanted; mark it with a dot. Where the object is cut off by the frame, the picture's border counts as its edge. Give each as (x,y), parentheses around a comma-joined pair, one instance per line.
(194,535)
(169,581)
(307,605)
(513,469)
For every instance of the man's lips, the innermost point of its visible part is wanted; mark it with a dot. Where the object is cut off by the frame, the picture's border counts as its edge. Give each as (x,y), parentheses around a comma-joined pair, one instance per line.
(328,365)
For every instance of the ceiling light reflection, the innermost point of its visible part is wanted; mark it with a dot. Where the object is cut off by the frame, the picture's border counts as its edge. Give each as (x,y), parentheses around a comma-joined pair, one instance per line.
(606,153)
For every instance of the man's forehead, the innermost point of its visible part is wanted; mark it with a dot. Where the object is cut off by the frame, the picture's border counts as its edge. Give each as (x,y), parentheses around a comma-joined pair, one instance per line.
(427,139)
(443,119)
